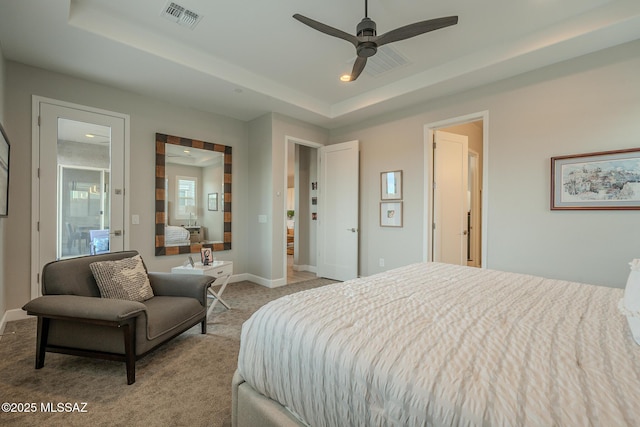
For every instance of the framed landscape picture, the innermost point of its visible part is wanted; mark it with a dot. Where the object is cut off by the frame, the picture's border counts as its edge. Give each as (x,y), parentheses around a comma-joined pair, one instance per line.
(4,173)
(603,180)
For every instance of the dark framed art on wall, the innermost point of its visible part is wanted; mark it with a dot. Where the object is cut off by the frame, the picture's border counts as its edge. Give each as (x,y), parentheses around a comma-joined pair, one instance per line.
(4,173)
(596,181)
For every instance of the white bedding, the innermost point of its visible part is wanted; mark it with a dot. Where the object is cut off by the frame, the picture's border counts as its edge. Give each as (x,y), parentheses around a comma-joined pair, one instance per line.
(176,236)
(437,344)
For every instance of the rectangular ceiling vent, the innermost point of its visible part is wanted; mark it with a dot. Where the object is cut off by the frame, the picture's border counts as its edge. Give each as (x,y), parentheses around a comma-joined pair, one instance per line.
(386,59)
(181,15)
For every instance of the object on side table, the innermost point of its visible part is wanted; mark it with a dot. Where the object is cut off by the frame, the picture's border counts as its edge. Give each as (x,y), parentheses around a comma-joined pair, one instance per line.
(206,258)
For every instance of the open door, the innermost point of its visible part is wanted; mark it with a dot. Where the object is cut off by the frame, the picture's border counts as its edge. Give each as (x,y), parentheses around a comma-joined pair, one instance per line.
(80,203)
(450,198)
(338,211)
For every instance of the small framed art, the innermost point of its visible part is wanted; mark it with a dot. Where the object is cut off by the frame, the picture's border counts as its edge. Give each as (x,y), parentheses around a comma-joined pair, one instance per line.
(391,185)
(391,214)
(206,256)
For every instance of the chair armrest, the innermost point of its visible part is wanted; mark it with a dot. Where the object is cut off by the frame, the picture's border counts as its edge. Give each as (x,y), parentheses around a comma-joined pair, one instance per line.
(80,307)
(181,285)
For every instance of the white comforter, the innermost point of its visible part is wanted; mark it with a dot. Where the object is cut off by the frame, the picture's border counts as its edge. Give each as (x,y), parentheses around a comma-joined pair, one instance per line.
(436,344)
(174,234)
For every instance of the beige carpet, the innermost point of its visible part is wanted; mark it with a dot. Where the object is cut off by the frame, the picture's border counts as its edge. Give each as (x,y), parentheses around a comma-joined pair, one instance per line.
(186,382)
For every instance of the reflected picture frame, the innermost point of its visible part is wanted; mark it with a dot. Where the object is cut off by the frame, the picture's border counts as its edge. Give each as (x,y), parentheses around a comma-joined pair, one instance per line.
(605,180)
(391,185)
(4,173)
(390,214)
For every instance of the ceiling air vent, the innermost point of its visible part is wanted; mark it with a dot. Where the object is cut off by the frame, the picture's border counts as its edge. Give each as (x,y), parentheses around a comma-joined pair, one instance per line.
(386,59)
(181,15)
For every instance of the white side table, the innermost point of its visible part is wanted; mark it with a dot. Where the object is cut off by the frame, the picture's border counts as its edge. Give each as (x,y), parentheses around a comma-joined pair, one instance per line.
(221,270)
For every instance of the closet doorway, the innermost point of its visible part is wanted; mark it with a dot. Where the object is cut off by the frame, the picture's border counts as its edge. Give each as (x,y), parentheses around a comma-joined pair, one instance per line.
(462,242)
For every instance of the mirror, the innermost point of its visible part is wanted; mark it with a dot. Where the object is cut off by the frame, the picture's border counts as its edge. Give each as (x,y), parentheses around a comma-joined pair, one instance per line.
(193,196)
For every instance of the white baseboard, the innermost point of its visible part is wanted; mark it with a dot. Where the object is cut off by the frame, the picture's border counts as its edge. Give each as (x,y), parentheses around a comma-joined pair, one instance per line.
(309,268)
(10,316)
(268,283)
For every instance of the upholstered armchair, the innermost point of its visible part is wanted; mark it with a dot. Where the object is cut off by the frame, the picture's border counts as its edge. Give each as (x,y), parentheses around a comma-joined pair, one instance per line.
(75,317)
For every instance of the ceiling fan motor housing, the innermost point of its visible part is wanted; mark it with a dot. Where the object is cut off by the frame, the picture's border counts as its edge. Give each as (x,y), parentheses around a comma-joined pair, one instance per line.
(366,28)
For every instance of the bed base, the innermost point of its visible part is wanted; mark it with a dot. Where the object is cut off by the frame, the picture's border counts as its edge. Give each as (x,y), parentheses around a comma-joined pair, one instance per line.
(250,408)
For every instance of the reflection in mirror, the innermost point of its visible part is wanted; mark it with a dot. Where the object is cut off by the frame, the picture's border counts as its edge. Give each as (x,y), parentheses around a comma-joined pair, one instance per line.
(193,196)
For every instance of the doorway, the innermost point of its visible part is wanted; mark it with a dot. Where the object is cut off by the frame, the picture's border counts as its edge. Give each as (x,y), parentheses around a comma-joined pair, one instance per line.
(79,198)
(465,240)
(300,226)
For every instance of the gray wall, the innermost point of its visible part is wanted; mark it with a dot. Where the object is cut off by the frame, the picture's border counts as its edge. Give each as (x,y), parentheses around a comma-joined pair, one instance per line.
(588,104)
(148,116)
(267,195)
(260,199)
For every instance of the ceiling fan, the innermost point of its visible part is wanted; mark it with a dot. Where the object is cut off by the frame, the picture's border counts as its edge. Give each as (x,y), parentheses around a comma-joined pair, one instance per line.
(366,40)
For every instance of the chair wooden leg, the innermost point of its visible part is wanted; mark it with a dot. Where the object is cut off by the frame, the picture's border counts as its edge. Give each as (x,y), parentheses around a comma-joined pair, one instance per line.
(204,326)
(129,330)
(41,340)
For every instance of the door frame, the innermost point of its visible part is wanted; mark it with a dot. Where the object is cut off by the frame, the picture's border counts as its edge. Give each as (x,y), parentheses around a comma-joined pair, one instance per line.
(429,132)
(311,144)
(35,184)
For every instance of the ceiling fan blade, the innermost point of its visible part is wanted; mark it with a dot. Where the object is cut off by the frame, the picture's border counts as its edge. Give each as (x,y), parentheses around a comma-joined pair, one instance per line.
(323,28)
(358,66)
(415,29)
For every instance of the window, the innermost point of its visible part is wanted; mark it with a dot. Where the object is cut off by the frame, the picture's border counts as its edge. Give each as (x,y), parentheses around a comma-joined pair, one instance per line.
(186,202)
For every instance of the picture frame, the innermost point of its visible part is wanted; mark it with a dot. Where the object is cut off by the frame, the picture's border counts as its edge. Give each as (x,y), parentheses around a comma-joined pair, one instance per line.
(4,173)
(206,256)
(212,202)
(390,214)
(605,180)
(391,185)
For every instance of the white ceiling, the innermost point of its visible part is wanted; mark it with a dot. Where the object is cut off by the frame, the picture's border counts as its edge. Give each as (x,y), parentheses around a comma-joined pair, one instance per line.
(249,57)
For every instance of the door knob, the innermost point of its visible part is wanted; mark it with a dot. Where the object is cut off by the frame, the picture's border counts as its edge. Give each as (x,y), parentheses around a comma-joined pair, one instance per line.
(353,230)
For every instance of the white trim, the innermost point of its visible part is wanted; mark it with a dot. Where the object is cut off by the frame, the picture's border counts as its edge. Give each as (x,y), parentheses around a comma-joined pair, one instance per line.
(306,143)
(309,268)
(429,130)
(35,185)
(11,316)
(267,283)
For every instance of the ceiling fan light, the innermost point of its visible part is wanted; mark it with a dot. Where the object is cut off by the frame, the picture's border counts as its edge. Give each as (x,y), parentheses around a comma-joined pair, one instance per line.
(345,78)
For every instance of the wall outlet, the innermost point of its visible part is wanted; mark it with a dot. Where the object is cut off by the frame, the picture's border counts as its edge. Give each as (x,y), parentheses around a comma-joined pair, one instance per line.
(381,262)
(135,219)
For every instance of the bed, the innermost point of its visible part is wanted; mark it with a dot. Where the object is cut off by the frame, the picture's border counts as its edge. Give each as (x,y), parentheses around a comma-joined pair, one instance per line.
(176,236)
(438,344)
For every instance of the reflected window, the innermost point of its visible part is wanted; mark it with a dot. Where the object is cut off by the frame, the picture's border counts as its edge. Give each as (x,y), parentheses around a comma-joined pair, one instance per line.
(186,200)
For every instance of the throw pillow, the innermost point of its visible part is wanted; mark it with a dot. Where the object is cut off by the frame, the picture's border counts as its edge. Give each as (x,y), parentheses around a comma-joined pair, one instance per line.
(629,305)
(122,279)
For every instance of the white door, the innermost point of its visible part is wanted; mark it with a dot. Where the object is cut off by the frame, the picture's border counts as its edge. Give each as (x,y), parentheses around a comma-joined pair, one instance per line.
(450,198)
(80,190)
(338,211)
